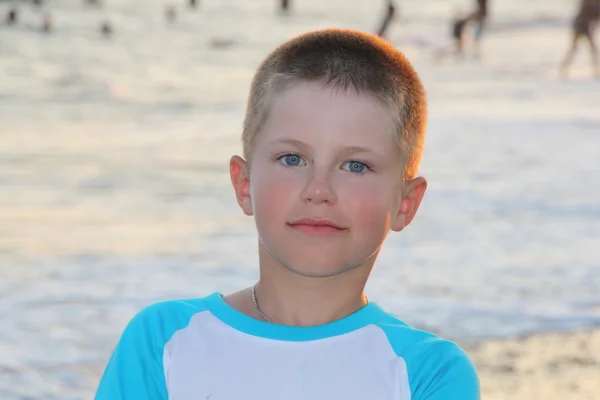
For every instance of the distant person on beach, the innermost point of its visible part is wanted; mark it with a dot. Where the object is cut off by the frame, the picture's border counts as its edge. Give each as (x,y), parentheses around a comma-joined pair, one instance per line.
(12,17)
(284,6)
(170,13)
(479,16)
(193,3)
(583,27)
(458,34)
(47,24)
(332,140)
(390,13)
(460,23)
(106,29)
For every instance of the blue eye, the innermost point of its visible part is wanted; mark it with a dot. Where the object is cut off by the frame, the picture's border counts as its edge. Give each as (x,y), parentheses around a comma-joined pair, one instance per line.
(356,166)
(291,160)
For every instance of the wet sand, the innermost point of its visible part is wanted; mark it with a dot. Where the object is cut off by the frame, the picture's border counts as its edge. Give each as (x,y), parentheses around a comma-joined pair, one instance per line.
(547,366)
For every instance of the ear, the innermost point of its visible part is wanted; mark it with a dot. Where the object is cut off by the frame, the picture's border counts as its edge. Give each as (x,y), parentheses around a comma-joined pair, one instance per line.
(240,179)
(412,195)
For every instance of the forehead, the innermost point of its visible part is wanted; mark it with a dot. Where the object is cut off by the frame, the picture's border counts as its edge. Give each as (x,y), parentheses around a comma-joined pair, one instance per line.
(319,114)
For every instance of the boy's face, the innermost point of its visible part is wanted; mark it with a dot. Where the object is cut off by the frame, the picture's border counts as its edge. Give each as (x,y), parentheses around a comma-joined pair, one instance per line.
(325,183)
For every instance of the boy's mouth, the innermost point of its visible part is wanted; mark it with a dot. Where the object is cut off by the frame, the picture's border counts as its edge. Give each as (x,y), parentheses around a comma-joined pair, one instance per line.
(316,227)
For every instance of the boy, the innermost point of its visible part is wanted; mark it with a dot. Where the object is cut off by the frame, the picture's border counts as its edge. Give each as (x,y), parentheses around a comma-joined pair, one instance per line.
(584,25)
(332,141)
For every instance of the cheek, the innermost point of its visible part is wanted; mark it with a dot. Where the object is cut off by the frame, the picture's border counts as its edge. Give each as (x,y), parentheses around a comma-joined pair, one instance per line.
(272,193)
(370,203)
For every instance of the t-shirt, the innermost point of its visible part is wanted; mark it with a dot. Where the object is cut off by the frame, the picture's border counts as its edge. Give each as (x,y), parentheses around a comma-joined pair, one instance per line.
(202,348)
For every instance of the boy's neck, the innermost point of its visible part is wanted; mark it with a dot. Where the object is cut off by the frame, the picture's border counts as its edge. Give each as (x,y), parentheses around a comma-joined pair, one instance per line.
(288,298)
(305,309)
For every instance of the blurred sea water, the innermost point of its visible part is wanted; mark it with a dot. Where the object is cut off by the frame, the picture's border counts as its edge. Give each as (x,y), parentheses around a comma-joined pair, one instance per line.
(114,188)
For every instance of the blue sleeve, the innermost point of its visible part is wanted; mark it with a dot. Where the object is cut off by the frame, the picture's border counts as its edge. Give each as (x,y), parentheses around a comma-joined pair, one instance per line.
(135,370)
(442,371)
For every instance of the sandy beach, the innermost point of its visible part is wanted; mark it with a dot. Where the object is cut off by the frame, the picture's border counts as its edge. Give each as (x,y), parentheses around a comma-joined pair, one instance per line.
(547,366)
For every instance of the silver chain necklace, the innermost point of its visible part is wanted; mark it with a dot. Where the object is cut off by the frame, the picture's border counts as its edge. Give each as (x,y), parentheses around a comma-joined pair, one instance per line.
(263,315)
(266,317)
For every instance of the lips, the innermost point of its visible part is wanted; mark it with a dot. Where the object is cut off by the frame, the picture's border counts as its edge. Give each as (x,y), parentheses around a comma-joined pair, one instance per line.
(316,227)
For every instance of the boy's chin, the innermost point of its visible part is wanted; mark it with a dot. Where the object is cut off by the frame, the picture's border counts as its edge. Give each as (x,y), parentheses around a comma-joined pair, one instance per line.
(312,261)
(318,270)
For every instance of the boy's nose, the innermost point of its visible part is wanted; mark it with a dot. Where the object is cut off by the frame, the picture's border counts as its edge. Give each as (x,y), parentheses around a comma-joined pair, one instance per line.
(319,190)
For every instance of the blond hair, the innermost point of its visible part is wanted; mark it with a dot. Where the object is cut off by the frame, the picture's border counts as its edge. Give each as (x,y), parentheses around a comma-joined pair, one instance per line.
(343,58)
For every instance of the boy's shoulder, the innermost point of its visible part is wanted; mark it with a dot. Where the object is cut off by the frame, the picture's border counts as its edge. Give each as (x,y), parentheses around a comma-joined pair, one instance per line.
(163,318)
(431,360)
(406,339)
(184,306)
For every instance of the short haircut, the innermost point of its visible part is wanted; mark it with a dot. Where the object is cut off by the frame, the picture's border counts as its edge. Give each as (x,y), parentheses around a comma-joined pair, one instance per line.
(344,59)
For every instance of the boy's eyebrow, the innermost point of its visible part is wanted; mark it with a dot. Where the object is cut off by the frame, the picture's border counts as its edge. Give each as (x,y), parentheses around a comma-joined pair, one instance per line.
(357,149)
(298,143)
(292,142)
